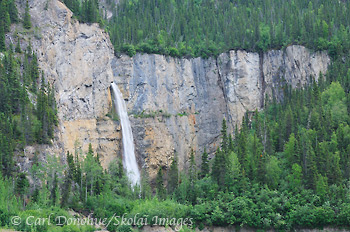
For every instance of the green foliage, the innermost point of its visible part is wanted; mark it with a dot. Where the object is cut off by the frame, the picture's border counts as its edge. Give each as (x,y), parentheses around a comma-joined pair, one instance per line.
(54,213)
(265,37)
(128,49)
(119,181)
(124,228)
(5,17)
(2,39)
(291,151)
(18,47)
(8,15)
(23,123)
(204,165)
(162,209)
(8,201)
(46,110)
(334,100)
(106,205)
(307,164)
(161,192)
(86,11)
(321,186)
(312,216)
(22,184)
(152,114)
(93,173)
(13,12)
(273,172)
(207,28)
(286,167)
(173,176)
(27,19)
(295,178)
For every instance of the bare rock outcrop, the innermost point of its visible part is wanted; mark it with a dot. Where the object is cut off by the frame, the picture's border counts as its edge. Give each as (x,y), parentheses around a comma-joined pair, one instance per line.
(76,59)
(175,105)
(178,105)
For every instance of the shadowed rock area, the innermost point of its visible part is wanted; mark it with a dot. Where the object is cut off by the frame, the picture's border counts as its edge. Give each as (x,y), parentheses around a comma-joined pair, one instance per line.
(174,105)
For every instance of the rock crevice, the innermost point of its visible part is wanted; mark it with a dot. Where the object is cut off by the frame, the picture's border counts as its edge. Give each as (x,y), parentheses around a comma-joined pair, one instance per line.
(175,105)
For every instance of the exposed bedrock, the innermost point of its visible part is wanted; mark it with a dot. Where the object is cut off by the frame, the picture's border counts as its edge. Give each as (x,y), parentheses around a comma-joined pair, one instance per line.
(174,104)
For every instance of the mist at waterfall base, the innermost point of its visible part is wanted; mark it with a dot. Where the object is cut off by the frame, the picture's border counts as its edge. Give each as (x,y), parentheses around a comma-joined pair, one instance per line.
(129,159)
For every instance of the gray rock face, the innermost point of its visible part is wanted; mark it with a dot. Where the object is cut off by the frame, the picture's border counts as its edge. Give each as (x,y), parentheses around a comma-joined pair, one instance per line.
(175,105)
(240,73)
(295,66)
(76,60)
(186,98)
(196,94)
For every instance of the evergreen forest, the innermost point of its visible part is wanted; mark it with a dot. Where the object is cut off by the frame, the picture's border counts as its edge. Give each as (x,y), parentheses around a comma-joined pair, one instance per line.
(285,167)
(185,28)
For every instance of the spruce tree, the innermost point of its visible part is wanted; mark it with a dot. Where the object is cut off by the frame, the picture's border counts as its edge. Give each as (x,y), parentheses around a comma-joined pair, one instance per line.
(219,169)
(193,175)
(173,176)
(225,141)
(2,39)
(146,190)
(4,16)
(93,171)
(205,164)
(13,12)
(241,146)
(34,72)
(27,19)
(161,193)
(54,190)
(22,185)
(290,151)
(69,178)
(120,169)
(18,47)
(7,22)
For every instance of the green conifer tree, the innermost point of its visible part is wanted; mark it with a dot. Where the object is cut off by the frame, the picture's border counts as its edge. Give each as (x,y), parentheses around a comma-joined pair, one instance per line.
(13,11)
(2,39)
(27,19)
(205,164)
(54,190)
(161,193)
(173,176)
(18,47)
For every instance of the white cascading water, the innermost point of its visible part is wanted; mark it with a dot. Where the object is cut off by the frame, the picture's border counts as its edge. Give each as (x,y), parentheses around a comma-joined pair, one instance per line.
(129,160)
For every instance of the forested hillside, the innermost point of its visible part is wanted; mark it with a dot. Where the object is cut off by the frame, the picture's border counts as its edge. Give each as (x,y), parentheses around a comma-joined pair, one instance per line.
(285,167)
(27,106)
(206,28)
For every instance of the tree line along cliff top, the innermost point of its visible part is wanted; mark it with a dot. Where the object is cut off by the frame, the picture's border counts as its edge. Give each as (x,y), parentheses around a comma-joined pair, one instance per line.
(286,167)
(206,27)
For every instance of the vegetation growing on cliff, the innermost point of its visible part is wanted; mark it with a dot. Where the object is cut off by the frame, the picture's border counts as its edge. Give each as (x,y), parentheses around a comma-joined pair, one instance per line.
(8,15)
(87,11)
(206,28)
(27,106)
(285,167)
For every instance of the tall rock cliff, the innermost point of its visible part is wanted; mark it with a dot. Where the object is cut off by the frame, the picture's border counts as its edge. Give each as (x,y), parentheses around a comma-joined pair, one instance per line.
(76,60)
(175,105)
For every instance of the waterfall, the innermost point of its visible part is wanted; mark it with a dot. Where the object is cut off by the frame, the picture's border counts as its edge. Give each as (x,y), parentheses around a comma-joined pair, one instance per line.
(129,159)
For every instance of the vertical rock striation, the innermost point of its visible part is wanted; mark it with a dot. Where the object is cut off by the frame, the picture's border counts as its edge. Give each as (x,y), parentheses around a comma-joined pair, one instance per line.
(76,58)
(178,105)
(175,105)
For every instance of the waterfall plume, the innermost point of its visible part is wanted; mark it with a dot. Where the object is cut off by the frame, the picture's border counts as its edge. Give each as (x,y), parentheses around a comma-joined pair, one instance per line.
(129,159)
